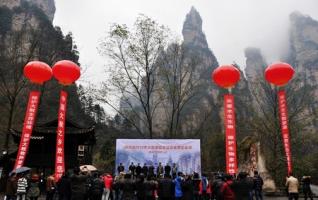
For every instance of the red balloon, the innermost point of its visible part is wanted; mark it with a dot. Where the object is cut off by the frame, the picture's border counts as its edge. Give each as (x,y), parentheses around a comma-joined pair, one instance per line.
(37,72)
(66,72)
(279,73)
(226,76)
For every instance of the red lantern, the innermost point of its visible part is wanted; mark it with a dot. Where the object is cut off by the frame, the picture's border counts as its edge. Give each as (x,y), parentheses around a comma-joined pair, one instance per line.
(37,72)
(66,72)
(226,76)
(279,73)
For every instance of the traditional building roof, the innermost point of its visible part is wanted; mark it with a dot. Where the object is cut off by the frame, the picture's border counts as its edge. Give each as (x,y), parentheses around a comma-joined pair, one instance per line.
(43,129)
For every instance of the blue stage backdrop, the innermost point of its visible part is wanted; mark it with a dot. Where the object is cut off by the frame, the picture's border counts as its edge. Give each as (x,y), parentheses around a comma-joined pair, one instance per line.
(185,153)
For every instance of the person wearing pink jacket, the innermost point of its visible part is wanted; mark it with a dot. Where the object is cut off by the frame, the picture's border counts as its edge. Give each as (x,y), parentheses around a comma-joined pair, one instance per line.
(108,182)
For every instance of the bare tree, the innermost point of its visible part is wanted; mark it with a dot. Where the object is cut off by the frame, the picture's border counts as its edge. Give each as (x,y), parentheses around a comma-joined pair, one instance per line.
(132,70)
(17,50)
(266,123)
(179,84)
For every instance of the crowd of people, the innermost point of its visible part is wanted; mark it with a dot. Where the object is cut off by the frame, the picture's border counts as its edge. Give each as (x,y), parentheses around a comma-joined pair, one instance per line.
(132,185)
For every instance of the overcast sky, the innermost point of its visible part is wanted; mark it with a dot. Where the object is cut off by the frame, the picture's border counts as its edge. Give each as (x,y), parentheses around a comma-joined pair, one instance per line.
(230,25)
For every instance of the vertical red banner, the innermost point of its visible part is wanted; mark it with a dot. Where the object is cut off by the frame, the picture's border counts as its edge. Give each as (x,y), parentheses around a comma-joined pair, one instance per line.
(28,124)
(59,154)
(230,134)
(283,111)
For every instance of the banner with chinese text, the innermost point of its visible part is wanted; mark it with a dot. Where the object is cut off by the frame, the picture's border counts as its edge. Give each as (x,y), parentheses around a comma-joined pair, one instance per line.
(283,114)
(59,154)
(230,134)
(185,153)
(27,129)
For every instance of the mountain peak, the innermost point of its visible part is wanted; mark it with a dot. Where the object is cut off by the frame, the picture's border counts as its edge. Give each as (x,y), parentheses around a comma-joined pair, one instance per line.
(192,29)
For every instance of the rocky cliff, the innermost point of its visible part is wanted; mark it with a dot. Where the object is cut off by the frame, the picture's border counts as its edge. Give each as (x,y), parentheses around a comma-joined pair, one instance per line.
(47,6)
(26,34)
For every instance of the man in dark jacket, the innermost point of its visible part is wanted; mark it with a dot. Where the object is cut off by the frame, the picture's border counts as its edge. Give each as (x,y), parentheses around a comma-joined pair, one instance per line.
(11,187)
(120,168)
(128,187)
(79,185)
(165,188)
(151,171)
(242,186)
(64,187)
(132,169)
(145,170)
(138,170)
(258,185)
(167,169)
(97,188)
(306,187)
(187,188)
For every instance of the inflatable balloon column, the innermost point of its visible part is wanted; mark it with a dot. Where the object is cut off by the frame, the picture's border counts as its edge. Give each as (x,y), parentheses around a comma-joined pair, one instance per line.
(37,72)
(66,72)
(227,76)
(278,74)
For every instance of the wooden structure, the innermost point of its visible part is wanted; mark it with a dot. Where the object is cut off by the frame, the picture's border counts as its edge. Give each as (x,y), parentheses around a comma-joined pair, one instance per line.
(79,141)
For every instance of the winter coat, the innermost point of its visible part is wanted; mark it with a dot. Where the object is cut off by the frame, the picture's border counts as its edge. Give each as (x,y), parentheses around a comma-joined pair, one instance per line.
(11,187)
(187,190)
(64,187)
(165,188)
(226,191)
(108,181)
(292,184)
(79,186)
(196,186)
(97,186)
(22,185)
(149,187)
(128,188)
(34,190)
(242,188)
(258,182)
(177,187)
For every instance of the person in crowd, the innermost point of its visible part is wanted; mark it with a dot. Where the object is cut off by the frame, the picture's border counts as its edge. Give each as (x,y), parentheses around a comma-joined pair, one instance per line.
(22,185)
(257,186)
(34,187)
(216,186)
(50,187)
(108,182)
(243,186)
(165,188)
(226,190)
(145,170)
(292,185)
(138,170)
(174,170)
(117,186)
(11,187)
(151,171)
(128,187)
(167,169)
(79,185)
(120,168)
(306,180)
(208,189)
(187,188)
(64,187)
(97,187)
(196,182)
(132,169)
(178,187)
(204,186)
(140,187)
(150,186)
(159,169)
